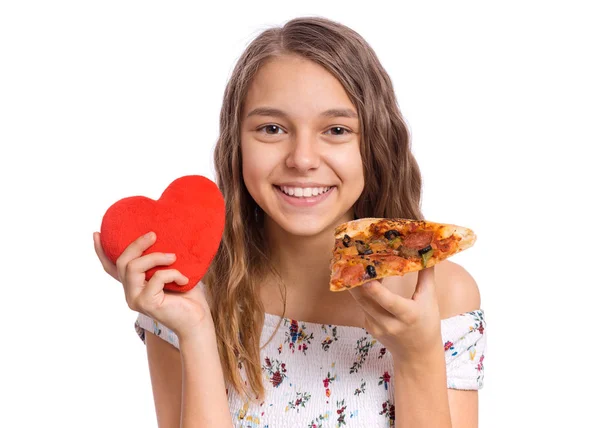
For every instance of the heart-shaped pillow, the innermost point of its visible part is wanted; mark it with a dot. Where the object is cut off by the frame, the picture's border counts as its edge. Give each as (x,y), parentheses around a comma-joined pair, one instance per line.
(188,220)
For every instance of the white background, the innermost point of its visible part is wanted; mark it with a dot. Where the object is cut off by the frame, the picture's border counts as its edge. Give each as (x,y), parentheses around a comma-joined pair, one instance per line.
(104,100)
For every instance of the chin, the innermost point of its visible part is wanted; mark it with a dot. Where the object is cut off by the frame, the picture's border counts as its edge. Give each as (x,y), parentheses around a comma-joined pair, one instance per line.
(303,225)
(310,225)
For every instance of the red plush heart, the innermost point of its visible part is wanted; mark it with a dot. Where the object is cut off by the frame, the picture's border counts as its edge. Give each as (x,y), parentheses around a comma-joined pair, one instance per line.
(188,220)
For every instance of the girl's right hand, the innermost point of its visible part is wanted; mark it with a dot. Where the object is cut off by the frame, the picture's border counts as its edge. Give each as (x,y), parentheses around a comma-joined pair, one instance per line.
(183,313)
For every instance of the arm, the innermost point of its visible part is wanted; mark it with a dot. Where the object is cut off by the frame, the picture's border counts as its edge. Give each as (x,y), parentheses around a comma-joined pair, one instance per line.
(421,395)
(423,399)
(458,293)
(164,362)
(421,387)
(204,400)
(187,393)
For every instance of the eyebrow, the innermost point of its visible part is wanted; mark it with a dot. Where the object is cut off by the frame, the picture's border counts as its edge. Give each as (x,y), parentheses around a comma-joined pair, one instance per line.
(333,112)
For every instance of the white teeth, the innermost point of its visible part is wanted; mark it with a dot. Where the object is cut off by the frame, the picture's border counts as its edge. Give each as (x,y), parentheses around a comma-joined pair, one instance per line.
(305,192)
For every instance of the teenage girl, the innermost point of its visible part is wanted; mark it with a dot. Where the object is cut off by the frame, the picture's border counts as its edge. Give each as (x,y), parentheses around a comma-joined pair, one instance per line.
(310,137)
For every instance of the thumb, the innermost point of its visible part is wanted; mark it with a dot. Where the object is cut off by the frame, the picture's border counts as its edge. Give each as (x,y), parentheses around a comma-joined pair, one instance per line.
(425,283)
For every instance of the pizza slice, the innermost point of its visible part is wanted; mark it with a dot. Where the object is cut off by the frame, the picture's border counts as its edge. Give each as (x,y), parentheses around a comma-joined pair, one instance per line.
(374,248)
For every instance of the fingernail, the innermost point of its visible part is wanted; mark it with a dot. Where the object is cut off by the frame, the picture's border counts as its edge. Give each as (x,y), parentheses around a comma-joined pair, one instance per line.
(368,285)
(150,235)
(170,256)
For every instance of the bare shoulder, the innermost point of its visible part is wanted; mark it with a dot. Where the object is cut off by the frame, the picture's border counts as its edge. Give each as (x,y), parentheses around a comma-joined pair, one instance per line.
(457,291)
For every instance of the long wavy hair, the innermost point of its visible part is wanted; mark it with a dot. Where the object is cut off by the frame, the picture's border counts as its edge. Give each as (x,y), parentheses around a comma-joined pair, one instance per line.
(392,178)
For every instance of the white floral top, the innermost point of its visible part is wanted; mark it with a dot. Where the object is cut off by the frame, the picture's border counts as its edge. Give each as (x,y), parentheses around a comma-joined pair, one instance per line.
(331,376)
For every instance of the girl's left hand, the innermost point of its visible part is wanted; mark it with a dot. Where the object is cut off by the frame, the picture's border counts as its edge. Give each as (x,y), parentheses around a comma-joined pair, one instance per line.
(406,327)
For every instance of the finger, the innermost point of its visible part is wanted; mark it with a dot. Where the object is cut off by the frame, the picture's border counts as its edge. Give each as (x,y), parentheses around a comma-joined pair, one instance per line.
(135,271)
(365,296)
(149,261)
(152,294)
(371,324)
(399,307)
(425,282)
(109,267)
(133,251)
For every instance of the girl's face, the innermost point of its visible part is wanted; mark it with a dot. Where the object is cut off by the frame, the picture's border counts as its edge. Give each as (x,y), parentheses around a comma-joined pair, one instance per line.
(300,146)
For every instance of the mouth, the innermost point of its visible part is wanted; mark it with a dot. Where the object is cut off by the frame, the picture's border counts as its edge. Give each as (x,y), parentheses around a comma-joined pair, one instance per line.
(304,197)
(304,192)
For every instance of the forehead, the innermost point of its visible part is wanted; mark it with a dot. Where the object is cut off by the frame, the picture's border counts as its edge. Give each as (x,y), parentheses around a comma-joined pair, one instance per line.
(296,85)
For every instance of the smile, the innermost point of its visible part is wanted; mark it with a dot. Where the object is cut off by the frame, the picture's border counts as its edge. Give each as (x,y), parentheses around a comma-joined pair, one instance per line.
(306,196)
(303,192)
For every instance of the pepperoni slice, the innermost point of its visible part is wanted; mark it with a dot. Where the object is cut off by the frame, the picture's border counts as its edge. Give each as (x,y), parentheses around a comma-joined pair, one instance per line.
(390,261)
(418,240)
(447,244)
(352,274)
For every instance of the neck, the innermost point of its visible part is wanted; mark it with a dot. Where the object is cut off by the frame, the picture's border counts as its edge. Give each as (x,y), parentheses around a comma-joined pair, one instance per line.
(302,261)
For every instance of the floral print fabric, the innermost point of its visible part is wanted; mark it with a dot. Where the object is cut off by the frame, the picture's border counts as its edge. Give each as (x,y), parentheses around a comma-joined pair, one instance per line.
(320,375)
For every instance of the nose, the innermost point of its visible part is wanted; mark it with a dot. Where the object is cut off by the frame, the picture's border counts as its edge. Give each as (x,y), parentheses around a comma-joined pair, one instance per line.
(304,153)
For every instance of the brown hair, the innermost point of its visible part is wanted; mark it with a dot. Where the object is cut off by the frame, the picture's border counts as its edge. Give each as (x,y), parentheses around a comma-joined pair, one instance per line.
(392,177)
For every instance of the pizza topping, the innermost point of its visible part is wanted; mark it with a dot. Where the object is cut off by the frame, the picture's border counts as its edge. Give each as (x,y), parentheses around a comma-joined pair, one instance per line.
(346,241)
(418,240)
(395,243)
(378,246)
(371,271)
(424,250)
(362,248)
(389,262)
(391,234)
(352,274)
(408,252)
(426,255)
(446,244)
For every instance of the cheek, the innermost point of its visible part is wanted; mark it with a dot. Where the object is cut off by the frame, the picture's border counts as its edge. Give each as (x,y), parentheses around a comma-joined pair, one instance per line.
(349,167)
(250,168)
(257,165)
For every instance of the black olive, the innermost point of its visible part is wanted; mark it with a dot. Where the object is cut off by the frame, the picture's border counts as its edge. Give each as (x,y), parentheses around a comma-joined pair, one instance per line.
(346,241)
(371,271)
(391,234)
(425,250)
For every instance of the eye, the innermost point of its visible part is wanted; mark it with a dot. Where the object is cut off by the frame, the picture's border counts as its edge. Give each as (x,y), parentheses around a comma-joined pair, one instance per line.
(270,127)
(339,131)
